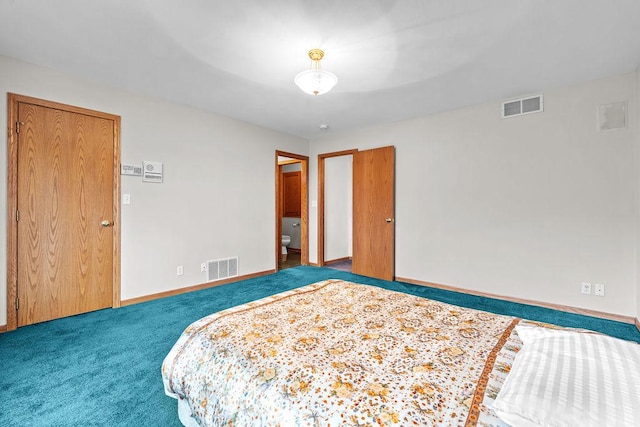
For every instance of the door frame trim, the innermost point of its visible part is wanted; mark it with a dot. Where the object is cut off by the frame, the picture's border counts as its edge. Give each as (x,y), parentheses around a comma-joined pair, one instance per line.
(13,100)
(321,158)
(304,206)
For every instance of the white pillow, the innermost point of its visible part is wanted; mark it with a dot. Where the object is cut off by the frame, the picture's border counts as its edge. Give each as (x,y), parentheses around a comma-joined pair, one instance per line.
(567,378)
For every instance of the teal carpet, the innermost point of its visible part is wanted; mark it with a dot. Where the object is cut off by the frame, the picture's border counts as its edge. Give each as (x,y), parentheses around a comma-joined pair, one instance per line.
(103,368)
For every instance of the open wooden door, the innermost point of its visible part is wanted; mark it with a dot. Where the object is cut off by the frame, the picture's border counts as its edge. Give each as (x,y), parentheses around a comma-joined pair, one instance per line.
(373,213)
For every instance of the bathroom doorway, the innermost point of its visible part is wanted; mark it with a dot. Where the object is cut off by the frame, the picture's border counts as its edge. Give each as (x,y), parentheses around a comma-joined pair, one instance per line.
(292,176)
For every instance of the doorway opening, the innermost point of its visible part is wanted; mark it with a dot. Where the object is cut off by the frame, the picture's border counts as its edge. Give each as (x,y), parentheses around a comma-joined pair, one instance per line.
(335,209)
(372,226)
(292,229)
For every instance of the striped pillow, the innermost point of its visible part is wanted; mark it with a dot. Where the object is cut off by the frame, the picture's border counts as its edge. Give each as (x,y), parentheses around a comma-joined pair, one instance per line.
(568,378)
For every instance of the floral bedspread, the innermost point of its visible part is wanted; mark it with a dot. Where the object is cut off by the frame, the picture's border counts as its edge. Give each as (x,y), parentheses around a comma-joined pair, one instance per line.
(342,354)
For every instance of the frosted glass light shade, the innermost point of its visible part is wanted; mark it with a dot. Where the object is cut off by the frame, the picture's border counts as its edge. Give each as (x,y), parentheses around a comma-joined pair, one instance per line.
(315,82)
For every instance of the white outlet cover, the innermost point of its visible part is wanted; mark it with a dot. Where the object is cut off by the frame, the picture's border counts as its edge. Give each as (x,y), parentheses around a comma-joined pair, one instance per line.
(586,288)
(599,290)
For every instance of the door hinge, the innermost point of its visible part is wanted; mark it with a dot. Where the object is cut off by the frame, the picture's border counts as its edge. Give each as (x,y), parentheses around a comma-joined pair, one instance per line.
(18,126)
(17,303)
(17,215)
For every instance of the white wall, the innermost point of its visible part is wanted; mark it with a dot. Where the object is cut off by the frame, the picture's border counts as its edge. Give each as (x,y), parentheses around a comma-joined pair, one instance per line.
(525,207)
(637,181)
(338,202)
(218,195)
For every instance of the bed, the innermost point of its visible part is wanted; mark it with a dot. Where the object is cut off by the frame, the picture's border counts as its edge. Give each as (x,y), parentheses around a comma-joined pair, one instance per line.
(338,353)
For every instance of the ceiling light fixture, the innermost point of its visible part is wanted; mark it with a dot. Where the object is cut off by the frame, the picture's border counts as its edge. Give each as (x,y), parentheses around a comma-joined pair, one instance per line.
(315,81)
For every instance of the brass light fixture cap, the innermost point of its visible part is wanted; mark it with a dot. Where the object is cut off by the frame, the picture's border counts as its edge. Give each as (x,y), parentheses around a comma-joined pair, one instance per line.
(316,54)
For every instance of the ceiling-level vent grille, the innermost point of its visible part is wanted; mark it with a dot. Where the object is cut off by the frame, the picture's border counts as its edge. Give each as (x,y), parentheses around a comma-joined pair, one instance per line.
(518,107)
(219,269)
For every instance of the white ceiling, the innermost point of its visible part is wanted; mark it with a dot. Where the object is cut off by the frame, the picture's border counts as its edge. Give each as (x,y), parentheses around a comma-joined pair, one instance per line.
(395,59)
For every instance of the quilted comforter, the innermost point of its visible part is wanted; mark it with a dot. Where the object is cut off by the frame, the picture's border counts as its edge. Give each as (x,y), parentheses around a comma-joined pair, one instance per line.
(341,354)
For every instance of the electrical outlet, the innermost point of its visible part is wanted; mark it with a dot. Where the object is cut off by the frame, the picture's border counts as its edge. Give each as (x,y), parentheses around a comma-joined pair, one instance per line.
(586,288)
(599,290)
(180,270)
(203,266)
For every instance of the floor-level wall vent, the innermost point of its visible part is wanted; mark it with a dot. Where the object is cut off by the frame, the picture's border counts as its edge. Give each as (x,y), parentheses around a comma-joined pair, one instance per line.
(518,107)
(219,269)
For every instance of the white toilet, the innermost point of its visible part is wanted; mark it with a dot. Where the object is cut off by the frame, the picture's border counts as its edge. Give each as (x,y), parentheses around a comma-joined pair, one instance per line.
(285,242)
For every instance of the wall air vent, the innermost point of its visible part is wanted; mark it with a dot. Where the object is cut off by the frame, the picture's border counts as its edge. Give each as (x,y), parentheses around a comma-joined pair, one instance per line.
(612,116)
(219,269)
(518,107)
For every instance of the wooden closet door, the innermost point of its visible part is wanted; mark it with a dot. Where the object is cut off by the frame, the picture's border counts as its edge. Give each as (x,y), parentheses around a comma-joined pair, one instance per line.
(65,213)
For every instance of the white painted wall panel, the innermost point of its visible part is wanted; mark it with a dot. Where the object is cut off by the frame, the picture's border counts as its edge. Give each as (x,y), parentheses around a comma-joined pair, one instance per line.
(525,207)
(218,195)
(338,207)
(637,182)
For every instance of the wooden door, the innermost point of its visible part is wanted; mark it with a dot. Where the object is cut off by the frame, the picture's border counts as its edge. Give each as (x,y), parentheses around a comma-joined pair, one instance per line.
(373,213)
(291,194)
(65,213)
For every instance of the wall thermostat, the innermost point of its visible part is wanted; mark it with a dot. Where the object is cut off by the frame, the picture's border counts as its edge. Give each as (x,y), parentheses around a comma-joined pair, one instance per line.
(133,170)
(152,171)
